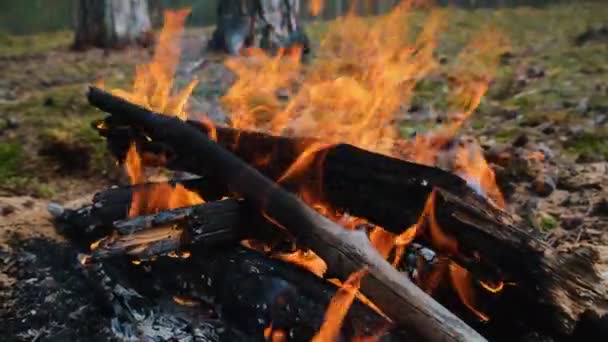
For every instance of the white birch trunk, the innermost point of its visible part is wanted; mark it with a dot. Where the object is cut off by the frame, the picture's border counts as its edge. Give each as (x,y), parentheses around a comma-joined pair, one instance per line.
(268,24)
(112,23)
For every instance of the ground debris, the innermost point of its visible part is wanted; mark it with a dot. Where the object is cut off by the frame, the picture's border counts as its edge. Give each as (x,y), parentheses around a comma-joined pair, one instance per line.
(48,297)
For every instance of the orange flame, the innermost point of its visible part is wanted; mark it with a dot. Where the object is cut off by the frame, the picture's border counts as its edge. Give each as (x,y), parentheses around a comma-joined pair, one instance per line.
(493,288)
(349,94)
(274,335)
(471,163)
(461,279)
(316,6)
(304,160)
(338,308)
(403,240)
(307,259)
(152,89)
(156,197)
(472,75)
(154,81)
(382,240)
(351,91)
(186,301)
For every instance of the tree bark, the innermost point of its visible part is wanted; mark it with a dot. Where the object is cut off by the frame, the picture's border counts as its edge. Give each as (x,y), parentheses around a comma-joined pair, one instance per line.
(267,24)
(112,23)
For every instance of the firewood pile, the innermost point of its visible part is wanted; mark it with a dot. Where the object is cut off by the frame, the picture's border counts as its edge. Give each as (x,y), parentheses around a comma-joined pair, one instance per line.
(325,234)
(253,260)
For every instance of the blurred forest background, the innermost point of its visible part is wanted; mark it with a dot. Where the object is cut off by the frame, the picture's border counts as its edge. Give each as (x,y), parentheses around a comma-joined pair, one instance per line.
(32,16)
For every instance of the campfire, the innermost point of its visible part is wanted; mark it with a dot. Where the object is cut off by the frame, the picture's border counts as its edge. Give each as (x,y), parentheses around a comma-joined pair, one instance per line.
(307,216)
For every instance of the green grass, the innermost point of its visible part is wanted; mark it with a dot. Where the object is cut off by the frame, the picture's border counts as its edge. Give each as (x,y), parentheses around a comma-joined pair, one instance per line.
(16,46)
(11,156)
(547,222)
(593,144)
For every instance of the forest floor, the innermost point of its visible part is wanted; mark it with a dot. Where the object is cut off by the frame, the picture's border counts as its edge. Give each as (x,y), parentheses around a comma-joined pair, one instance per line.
(550,95)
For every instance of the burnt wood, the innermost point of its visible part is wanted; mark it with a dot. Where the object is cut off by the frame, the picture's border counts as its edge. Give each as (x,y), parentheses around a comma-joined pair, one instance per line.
(269,291)
(113,204)
(392,193)
(344,251)
(195,227)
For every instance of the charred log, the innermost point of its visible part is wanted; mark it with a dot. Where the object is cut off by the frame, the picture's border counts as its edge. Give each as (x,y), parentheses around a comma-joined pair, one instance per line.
(111,205)
(563,287)
(196,227)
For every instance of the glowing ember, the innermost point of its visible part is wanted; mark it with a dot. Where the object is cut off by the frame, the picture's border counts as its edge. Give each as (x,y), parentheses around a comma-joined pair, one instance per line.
(493,288)
(182,255)
(95,244)
(185,301)
(84,259)
(274,335)
(338,308)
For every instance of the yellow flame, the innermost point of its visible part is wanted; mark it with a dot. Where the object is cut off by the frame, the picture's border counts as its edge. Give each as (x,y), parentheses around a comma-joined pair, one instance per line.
(154,81)
(493,288)
(316,6)
(461,279)
(307,259)
(186,301)
(338,308)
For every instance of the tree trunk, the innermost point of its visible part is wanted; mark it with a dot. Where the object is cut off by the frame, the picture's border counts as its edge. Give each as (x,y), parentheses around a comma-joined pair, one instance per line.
(112,23)
(267,24)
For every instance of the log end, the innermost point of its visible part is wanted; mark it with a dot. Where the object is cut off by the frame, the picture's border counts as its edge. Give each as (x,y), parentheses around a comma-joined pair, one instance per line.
(582,290)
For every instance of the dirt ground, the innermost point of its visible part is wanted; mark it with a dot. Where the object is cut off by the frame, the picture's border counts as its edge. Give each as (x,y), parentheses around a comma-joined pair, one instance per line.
(543,125)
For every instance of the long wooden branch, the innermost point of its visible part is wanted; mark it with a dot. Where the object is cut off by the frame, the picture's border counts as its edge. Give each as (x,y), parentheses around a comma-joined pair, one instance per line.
(392,193)
(344,251)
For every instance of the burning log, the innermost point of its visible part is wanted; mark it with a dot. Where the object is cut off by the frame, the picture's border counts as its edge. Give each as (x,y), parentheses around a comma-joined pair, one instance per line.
(341,175)
(200,226)
(113,204)
(207,224)
(343,251)
(392,195)
(168,231)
